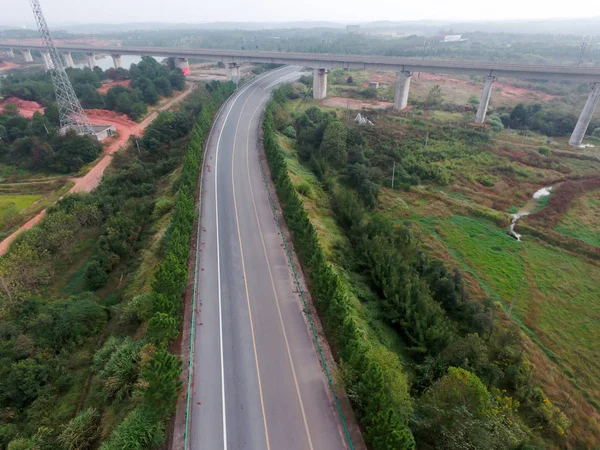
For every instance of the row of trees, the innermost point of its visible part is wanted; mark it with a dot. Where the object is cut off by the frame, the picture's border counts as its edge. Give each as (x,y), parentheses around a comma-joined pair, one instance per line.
(384,420)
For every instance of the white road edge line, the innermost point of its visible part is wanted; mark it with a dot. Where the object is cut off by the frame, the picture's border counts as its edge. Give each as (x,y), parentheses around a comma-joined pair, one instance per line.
(218,250)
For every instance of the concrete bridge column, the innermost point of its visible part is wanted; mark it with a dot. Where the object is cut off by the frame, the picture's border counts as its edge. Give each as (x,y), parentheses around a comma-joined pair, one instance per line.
(91,60)
(319,84)
(27,55)
(586,116)
(233,73)
(68,59)
(10,53)
(484,101)
(47,59)
(184,65)
(402,88)
(116,60)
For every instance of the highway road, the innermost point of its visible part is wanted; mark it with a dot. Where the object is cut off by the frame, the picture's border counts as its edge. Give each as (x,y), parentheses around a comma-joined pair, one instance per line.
(257,381)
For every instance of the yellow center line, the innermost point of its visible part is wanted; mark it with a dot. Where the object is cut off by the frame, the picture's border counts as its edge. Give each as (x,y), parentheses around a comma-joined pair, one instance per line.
(287,345)
(262,403)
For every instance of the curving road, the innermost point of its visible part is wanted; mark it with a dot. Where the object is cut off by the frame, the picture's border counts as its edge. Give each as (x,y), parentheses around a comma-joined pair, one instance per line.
(257,382)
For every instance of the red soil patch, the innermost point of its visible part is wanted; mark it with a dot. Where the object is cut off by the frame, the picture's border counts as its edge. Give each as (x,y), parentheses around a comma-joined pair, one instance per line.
(561,200)
(508,90)
(351,103)
(6,65)
(106,86)
(26,108)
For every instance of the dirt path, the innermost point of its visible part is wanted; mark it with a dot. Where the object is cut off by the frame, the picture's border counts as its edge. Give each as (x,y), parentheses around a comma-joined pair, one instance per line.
(92,179)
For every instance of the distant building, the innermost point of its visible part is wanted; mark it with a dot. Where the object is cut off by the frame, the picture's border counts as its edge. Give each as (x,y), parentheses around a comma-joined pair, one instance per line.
(352,29)
(374,84)
(453,38)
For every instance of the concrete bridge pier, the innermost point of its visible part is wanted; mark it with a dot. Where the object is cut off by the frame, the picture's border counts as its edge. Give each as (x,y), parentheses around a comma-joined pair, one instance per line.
(10,53)
(116,60)
(47,59)
(484,101)
(27,55)
(184,65)
(402,88)
(68,59)
(319,84)
(91,60)
(586,116)
(233,73)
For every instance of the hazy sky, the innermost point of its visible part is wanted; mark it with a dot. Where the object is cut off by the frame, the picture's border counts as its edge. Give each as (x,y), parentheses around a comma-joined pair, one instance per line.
(194,11)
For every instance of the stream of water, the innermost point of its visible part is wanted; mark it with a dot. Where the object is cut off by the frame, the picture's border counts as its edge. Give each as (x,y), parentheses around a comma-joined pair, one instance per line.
(527,209)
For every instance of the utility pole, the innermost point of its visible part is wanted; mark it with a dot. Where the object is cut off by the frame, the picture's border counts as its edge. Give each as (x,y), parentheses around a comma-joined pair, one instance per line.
(393,174)
(514,298)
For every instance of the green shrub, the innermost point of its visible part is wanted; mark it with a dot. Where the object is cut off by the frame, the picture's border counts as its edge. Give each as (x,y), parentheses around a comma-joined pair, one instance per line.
(486,180)
(140,430)
(304,189)
(95,275)
(290,132)
(81,432)
(544,151)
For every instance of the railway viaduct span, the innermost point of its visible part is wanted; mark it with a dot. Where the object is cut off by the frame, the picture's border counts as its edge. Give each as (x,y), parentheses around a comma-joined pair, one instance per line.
(322,63)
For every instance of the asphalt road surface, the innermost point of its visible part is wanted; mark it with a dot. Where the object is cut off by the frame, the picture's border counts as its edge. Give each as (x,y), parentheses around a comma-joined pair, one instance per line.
(257,381)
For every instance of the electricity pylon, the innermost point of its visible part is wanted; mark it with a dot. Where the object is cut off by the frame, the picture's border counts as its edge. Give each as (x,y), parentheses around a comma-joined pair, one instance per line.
(71,114)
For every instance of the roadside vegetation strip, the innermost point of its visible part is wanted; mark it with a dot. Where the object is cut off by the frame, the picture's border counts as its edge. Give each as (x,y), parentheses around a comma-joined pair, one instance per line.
(383,425)
(168,285)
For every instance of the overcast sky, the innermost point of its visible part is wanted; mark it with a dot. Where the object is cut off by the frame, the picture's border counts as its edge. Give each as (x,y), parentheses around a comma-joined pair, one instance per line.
(17,12)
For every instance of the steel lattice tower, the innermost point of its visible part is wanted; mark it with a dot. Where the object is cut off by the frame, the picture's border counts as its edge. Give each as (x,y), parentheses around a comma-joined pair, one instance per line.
(71,114)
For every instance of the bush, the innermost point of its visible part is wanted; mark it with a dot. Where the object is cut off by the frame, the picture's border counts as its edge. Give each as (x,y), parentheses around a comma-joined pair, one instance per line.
(290,132)
(95,275)
(81,432)
(140,430)
(544,151)
(596,132)
(304,189)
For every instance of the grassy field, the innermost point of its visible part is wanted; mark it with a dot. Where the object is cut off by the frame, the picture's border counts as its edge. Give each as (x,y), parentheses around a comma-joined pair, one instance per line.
(20,202)
(582,221)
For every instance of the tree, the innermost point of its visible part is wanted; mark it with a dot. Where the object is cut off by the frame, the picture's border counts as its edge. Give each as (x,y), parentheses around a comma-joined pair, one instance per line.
(150,94)
(350,80)
(51,113)
(457,412)
(95,275)
(333,147)
(90,98)
(81,432)
(163,86)
(10,109)
(434,97)
(161,374)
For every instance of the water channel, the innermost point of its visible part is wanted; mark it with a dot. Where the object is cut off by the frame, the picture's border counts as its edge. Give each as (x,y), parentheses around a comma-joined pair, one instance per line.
(528,208)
